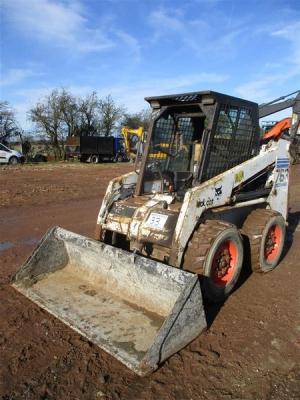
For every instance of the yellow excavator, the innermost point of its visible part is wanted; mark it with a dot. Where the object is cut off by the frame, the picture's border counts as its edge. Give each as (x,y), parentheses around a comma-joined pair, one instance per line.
(133,139)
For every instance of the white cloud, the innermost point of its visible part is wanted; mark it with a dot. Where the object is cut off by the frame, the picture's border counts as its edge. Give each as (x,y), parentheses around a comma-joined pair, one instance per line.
(196,33)
(27,99)
(131,42)
(269,85)
(65,24)
(130,95)
(258,90)
(278,75)
(290,33)
(14,76)
(163,21)
(60,23)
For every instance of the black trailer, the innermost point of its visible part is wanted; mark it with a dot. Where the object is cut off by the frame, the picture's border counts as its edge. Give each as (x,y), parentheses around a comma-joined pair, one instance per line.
(95,148)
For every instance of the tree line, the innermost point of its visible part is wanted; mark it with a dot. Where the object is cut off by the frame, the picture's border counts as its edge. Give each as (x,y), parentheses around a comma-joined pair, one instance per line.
(8,123)
(60,114)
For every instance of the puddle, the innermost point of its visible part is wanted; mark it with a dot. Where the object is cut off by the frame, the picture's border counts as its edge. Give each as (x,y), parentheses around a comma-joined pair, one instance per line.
(6,245)
(29,241)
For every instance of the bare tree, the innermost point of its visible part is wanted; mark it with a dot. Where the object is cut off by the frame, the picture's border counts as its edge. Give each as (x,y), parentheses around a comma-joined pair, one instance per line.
(60,114)
(8,124)
(88,108)
(47,115)
(110,114)
(70,112)
(135,120)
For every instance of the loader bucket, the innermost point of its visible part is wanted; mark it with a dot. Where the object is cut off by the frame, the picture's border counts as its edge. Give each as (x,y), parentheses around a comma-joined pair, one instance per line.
(138,310)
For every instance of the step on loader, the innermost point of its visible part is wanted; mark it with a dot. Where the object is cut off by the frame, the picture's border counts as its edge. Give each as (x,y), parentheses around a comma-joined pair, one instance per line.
(171,233)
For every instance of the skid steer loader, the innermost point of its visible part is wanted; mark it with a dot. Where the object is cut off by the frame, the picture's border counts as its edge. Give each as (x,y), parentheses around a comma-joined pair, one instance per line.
(170,233)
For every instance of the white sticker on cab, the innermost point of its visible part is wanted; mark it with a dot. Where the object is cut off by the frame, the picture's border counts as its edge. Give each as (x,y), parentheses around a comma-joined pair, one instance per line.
(156,221)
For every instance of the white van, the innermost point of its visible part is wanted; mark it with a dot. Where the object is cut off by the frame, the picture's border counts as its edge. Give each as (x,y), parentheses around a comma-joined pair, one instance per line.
(8,156)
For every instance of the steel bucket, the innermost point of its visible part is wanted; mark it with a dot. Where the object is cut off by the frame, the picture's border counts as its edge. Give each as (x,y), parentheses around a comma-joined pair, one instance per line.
(138,310)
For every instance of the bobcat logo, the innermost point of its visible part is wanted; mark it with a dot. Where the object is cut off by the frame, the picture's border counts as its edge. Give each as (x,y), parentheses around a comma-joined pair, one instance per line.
(205,202)
(218,191)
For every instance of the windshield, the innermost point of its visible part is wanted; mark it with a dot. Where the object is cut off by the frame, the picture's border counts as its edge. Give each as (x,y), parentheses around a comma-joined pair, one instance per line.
(171,151)
(2,147)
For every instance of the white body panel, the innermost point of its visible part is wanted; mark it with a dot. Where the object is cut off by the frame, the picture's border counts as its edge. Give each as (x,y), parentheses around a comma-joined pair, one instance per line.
(205,196)
(6,154)
(116,190)
(216,192)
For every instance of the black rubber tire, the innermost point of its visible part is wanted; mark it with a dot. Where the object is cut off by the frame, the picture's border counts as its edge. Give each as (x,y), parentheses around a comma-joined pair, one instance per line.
(256,228)
(94,159)
(13,160)
(200,253)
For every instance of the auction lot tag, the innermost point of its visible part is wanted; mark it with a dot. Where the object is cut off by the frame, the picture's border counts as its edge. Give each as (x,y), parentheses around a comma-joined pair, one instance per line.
(156,221)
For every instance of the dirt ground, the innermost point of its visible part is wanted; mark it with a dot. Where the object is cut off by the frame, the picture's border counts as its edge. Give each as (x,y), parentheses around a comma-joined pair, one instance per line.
(250,351)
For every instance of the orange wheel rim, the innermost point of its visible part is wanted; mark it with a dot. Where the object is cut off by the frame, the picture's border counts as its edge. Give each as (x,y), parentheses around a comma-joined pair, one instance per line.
(272,243)
(224,263)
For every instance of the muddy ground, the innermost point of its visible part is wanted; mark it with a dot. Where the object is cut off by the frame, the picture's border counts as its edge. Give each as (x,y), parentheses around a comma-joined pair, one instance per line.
(250,351)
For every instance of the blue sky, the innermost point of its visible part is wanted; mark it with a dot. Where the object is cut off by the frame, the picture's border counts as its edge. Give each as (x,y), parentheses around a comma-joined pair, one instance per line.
(132,49)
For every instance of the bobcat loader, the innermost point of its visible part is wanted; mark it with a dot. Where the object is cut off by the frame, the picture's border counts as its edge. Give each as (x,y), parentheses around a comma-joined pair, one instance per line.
(169,234)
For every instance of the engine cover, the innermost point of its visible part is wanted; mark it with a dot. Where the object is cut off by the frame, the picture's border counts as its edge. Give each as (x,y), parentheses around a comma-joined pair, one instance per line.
(143,219)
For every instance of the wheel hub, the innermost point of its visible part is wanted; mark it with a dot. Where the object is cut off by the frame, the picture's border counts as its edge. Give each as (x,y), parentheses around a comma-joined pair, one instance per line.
(224,263)
(272,242)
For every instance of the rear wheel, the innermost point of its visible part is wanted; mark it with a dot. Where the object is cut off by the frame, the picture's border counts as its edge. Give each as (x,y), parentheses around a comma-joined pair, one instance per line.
(265,230)
(94,159)
(215,252)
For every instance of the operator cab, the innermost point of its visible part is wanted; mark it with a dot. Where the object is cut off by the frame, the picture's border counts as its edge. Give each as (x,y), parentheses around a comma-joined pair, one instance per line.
(174,150)
(194,137)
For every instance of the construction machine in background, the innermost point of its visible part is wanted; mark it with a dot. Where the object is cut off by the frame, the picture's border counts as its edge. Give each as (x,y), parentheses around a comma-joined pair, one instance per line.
(95,149)
(267,125)
(133,141)
(279,128)
(171,233)
(289,126)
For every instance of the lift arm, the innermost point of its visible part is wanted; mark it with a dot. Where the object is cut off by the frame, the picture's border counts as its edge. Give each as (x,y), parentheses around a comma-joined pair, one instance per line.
(277,105)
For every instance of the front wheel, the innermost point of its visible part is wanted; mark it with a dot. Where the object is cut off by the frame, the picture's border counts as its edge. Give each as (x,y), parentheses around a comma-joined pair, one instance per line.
(215,252)
(13,160)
